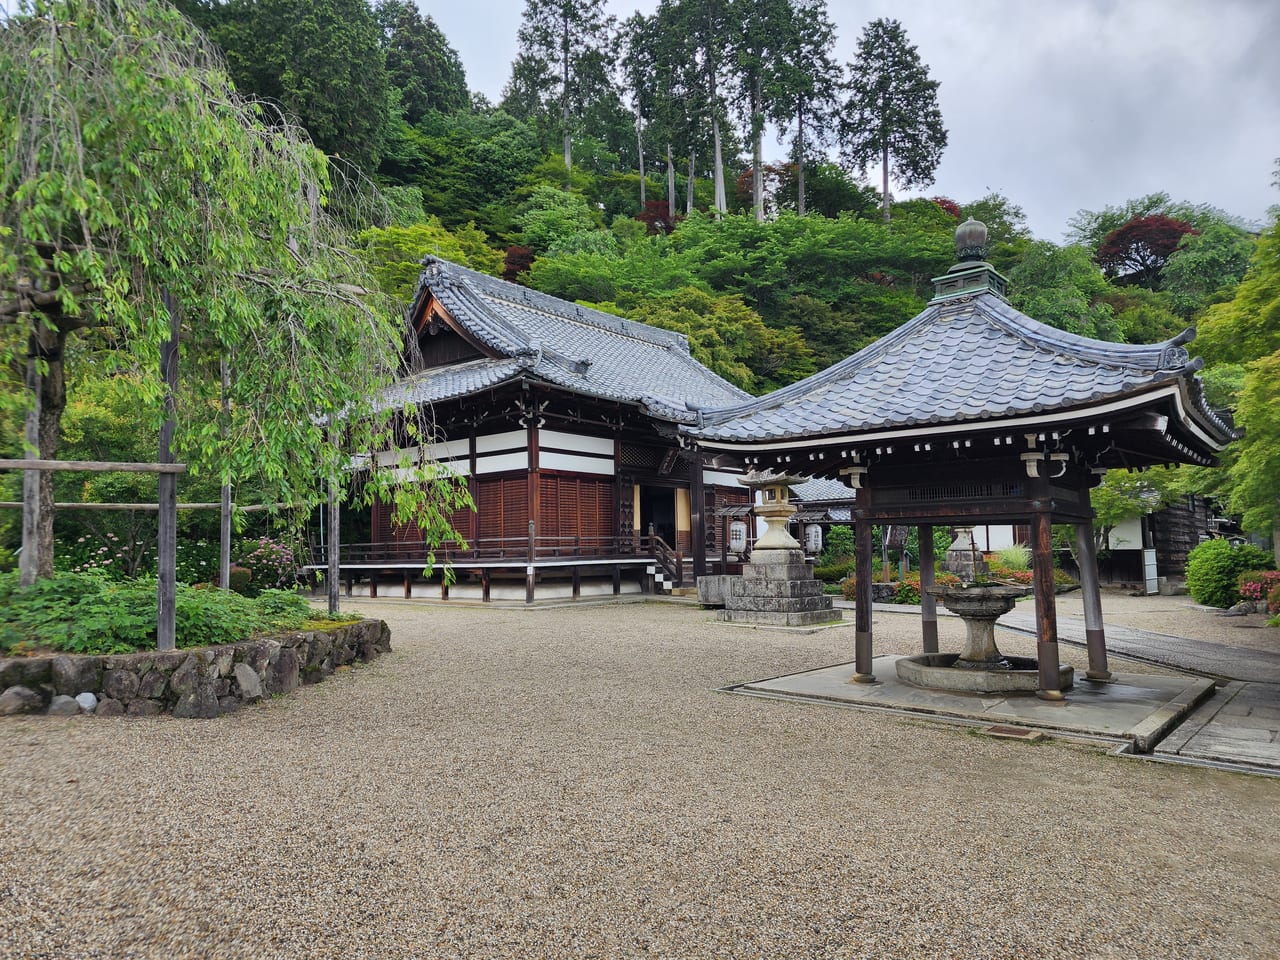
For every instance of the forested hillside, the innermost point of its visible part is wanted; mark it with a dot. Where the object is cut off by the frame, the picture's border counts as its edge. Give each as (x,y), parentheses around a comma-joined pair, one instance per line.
(634,164)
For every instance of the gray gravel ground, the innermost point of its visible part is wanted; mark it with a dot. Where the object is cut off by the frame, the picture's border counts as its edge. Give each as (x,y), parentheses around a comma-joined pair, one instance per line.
(567,783)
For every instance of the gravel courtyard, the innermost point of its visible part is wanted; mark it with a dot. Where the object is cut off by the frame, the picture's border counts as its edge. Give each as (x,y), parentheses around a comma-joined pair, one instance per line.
(567,783)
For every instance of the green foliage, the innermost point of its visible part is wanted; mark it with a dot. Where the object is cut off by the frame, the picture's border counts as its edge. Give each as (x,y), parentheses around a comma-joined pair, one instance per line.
(1206,267)
(421,65)
(551,218)
(238,579)
(834,571)
(394,254)
(323,62)
(1016,557)
(1125,496)
(725,335)
(1063,287)
(84,613)
(840,544)
(1214,568)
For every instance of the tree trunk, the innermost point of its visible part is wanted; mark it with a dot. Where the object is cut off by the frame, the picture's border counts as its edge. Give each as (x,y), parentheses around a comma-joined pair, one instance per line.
(800,209)
(884,160)
(688,187)
(564,97)
(43,431)
(721,204)
(671,186)
(167,535)
(224,519)
(640,152)
(757,134)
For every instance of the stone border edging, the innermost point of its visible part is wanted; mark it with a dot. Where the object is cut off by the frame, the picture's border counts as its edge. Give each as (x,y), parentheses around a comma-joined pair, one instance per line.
(200,682)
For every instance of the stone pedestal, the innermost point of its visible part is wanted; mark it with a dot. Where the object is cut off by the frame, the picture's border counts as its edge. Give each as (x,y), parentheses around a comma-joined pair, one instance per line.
(777,587)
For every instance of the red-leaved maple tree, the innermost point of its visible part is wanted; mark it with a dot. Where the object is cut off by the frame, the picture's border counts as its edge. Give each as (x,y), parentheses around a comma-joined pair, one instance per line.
(1137,251)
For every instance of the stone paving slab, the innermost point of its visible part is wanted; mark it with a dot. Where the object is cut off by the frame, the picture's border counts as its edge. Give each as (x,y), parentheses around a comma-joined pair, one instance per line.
(1137,708)
(1239,725)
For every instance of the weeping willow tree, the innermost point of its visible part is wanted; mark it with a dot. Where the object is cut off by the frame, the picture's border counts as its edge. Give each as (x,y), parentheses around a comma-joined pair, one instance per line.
(142,190)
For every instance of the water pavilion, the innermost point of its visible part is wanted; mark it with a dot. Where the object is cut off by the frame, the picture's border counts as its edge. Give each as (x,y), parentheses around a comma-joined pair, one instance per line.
(972,413)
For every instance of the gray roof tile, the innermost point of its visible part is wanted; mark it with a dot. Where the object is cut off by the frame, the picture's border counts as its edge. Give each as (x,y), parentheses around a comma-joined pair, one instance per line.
(955,362)
(575,347)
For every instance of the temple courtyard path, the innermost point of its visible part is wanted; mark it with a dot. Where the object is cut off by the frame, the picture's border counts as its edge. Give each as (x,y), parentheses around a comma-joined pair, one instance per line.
(569,783)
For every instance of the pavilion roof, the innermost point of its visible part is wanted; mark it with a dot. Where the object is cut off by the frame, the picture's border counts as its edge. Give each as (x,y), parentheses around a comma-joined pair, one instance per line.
(531,335)
(970,359)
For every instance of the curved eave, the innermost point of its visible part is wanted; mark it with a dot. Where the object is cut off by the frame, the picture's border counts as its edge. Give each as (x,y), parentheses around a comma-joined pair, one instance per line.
(1210,438)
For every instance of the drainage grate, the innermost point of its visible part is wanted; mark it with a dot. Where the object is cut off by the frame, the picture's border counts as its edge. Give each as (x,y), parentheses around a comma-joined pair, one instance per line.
(1013,733)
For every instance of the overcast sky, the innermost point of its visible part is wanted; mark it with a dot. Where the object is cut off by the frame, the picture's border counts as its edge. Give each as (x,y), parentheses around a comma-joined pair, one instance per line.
(1058,104)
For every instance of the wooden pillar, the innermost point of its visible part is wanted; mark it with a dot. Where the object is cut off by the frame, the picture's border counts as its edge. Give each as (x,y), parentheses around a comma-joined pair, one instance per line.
(224,517)
(1095,638)
(928,602)
(577,583)
(697,518)
(862,608)
(408,585)
(529,569)
(333,545)
(1046,607)
(373,585)
(444,586)
(617,581)
(167,535)
(485,583)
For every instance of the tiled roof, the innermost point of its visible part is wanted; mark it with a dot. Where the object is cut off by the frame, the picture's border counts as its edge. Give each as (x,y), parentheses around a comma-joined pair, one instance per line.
(820,489)
(575,347)
(967,359)
(446,383)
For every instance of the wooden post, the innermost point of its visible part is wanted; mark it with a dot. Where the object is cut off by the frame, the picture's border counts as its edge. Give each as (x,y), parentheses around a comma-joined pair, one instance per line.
(1095,638)
(862,604)
(617,581)
(29,561)
(697,518)
(484,585)
(167,535)
(577,583)
(408,585)
(928,602)
(373,585)
(334,572)
(528,570)
(1046,607)
(224,518)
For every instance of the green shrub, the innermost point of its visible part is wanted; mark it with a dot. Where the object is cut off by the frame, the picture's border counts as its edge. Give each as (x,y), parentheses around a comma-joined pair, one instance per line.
(284,609)
(239,579)
(1273,601)
(1214,568)
(1017,557)
(839,545)
(87,613)
(833,572)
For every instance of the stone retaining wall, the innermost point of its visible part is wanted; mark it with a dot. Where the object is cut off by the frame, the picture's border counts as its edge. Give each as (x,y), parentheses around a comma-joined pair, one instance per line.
(203,682)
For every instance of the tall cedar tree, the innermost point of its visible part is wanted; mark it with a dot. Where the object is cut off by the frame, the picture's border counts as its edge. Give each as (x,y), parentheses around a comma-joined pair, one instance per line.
(758,52)
(319,59)
(695,41)
(638,66)
(809,84)
(420,62)
(560,35)
(892,112)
